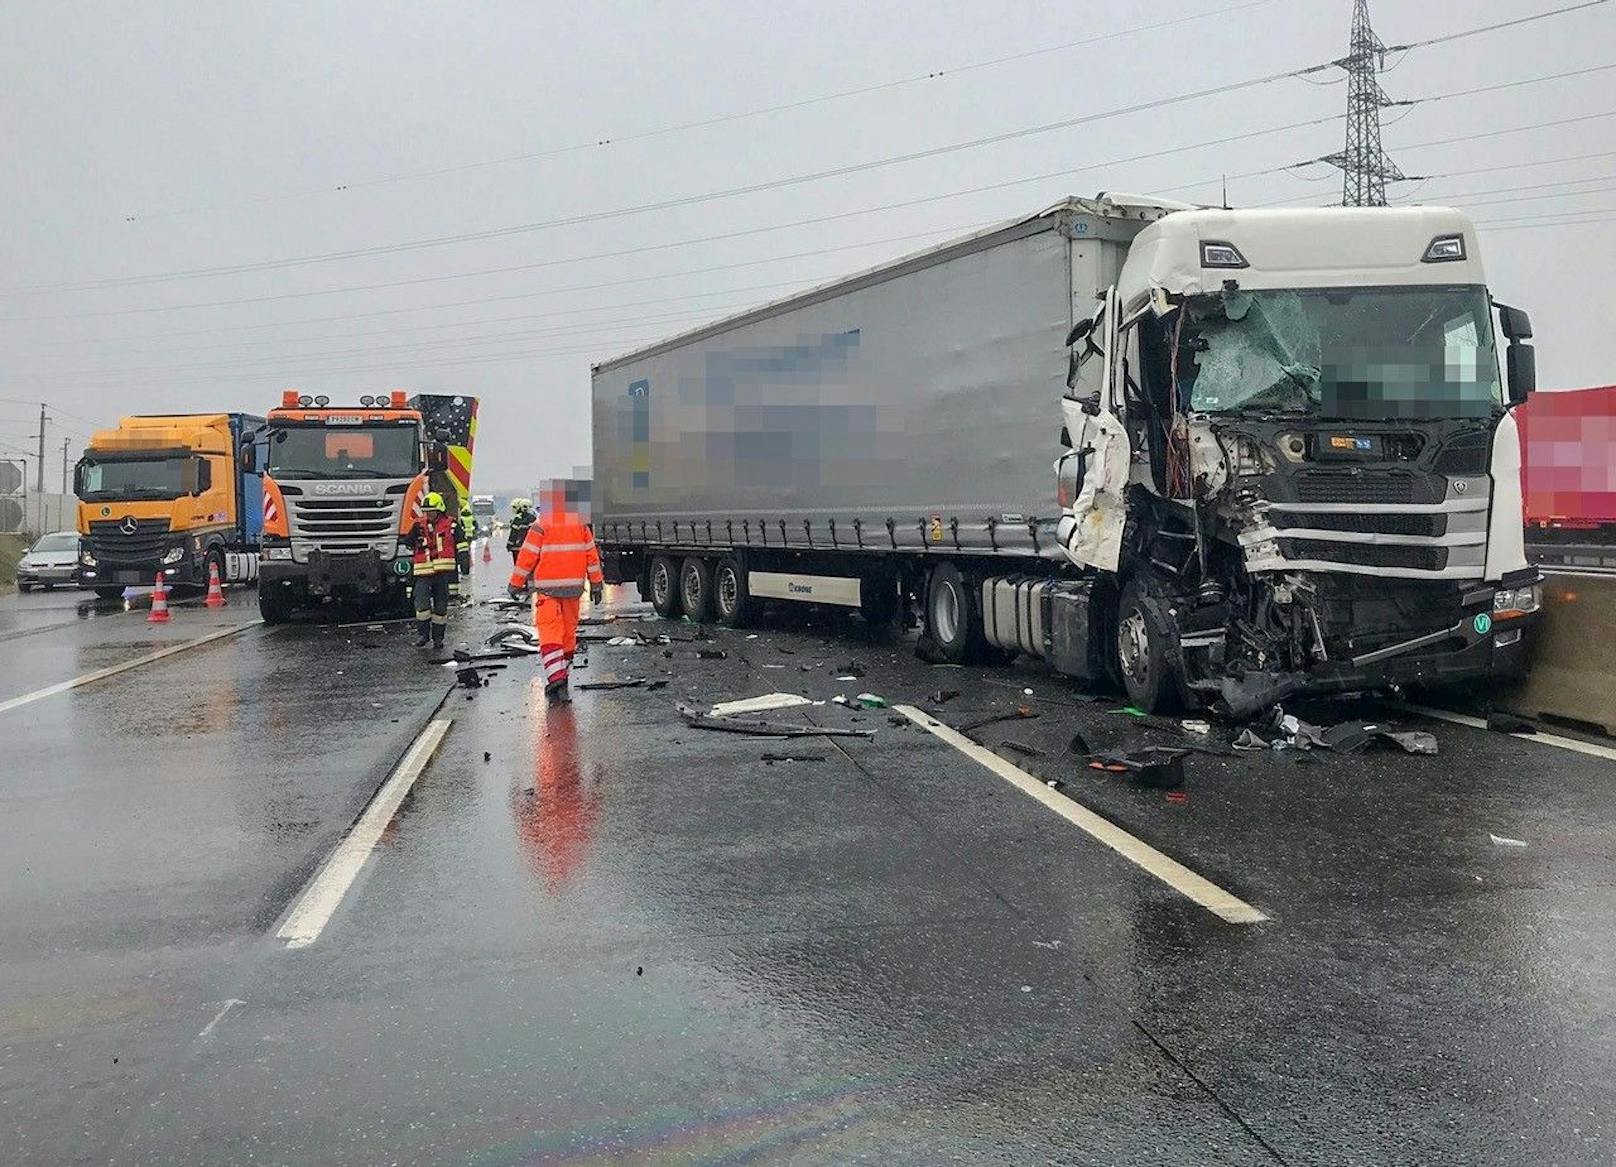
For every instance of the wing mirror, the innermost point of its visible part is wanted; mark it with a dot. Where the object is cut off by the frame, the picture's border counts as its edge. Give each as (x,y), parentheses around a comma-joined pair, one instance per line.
(1520,361)
(249,459)
(1515,324)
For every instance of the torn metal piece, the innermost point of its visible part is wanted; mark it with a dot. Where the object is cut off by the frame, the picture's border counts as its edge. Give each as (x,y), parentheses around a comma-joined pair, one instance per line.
(758,728)
(757,704)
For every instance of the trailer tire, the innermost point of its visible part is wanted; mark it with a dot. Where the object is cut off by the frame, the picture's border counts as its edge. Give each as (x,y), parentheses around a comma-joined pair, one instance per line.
(1146,658)
(953,620)
(732,600)
(664,579)
(696,589)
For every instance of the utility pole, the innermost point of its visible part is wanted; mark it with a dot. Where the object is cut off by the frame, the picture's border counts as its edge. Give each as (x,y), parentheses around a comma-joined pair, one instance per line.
(39,477)
(1365,168)
(61,505)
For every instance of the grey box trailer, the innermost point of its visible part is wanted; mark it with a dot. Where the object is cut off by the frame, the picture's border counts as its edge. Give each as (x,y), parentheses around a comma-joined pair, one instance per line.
(905,411)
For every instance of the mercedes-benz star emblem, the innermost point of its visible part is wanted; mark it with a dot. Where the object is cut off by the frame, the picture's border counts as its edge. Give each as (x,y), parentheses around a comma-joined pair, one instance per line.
(129,525)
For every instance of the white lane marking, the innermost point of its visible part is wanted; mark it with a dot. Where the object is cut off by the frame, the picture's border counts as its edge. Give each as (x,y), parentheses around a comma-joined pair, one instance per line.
(114,670)
(1174,874)
(1592,749)
(315,906)
(219,1016)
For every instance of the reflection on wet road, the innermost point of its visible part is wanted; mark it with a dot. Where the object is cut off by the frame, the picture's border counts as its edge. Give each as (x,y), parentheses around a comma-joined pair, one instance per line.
(594,933)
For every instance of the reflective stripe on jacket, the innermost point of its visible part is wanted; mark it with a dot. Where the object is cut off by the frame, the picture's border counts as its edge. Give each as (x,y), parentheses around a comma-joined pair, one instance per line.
(559,556)
(434,545)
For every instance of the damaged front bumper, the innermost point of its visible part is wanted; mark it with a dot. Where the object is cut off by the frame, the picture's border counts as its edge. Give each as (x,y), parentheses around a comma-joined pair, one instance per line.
(1477,648)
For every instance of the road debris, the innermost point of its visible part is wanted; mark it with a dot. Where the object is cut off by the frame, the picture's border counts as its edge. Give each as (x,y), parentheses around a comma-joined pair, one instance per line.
(1156,766)
(758,704)
(759,728)
(943,696)
(771,759)
(625,683)
(1509,723)
(1021,748)
(1505,841)
(872,701)
(1021,713)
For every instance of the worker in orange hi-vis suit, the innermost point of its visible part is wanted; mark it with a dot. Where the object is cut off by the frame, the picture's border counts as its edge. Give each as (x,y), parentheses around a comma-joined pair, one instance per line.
(558,560)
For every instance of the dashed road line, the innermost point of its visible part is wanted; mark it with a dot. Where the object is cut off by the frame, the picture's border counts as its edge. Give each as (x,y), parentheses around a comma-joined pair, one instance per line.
(113,670)
(318,902)
(1225,905)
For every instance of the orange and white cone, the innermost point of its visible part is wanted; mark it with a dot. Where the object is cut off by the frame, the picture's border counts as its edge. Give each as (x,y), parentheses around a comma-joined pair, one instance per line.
(159,602)
(488,554)
(215,589)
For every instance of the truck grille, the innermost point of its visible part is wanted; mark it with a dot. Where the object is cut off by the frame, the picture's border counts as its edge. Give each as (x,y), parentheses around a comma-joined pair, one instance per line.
(344,524)
(1366,554)
(109,542)
(1432,526)
(1354,488)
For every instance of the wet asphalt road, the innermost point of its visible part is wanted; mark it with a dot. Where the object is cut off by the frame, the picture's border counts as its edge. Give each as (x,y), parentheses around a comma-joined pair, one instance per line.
(620,938)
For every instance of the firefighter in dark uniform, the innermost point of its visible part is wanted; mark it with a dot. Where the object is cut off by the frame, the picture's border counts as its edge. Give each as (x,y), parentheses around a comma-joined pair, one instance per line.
(433,539)
(521,519)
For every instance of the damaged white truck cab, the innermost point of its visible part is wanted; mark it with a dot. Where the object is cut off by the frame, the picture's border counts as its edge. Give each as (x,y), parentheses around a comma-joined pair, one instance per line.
(1285,461)
(1290,460)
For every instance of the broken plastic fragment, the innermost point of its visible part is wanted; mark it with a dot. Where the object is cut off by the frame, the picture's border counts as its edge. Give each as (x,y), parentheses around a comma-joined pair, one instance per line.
(871,701)
(758,704)
(1504,841)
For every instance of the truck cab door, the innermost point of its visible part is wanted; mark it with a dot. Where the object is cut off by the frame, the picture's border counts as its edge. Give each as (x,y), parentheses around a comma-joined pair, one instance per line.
(1093,474)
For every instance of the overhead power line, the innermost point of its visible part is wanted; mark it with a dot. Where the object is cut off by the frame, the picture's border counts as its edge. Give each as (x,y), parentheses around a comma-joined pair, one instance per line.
(683,201)
(764,230)
(717,119)
(732,192)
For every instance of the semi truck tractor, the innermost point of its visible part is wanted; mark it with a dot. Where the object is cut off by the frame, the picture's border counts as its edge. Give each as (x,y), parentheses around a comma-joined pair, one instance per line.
(169,494)
(341,487)
(1213,456)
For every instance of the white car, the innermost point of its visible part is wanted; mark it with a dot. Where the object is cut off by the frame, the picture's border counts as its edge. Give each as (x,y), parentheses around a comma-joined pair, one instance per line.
(51,561)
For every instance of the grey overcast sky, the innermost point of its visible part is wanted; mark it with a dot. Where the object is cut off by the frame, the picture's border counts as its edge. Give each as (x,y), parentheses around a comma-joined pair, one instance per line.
(145,139)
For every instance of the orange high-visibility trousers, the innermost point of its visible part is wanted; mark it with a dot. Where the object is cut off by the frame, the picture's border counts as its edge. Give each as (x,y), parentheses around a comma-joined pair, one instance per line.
(555,619)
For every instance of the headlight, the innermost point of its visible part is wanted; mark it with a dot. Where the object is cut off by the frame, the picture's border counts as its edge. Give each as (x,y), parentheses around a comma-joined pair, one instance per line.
(87,559)
(277,553)
(175,554)
(1508,602)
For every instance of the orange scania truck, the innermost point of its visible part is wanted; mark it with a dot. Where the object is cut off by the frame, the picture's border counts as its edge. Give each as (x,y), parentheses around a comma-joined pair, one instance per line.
(342,485)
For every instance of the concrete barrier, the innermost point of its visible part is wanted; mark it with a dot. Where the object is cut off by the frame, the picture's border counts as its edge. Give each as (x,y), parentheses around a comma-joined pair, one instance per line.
(1574,661)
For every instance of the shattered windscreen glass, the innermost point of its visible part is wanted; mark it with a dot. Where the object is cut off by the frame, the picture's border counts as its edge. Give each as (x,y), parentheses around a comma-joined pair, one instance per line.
(1362,353)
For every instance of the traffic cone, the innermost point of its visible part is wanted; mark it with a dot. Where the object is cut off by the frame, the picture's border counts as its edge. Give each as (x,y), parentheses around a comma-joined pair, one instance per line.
(159,603)
(215,589)
(488,555)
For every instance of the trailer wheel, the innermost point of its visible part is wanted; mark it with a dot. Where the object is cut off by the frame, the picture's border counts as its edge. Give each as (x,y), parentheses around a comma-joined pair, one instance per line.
(665,587)
(952,618)
(696,589)
(1147,658)
(732,602)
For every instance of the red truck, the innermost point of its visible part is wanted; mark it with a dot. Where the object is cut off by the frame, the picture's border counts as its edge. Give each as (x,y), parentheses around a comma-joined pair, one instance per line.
(1568,475)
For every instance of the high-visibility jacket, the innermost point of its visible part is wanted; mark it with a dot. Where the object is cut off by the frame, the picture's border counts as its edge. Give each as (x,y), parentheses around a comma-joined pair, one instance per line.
(434,544)
(559,555)
(466,530)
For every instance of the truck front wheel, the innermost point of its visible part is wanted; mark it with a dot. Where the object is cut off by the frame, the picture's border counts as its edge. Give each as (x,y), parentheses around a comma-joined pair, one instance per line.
(1147,659)
(952,618)
(274,603)
(665,587)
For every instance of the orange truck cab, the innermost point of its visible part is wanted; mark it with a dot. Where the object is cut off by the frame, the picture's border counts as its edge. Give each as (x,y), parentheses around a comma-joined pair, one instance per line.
(168,494)
(341,486)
